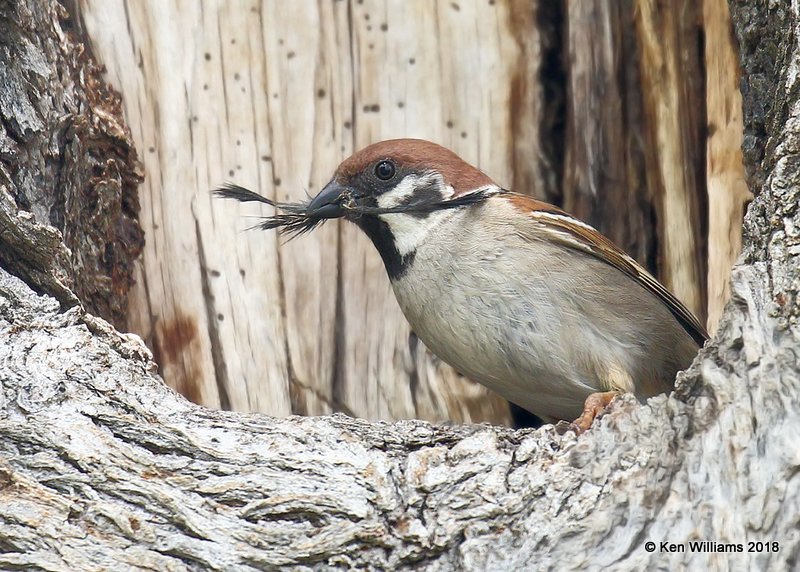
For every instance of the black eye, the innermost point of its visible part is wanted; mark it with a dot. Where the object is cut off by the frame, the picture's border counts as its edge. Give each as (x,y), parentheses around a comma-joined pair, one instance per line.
(384,170)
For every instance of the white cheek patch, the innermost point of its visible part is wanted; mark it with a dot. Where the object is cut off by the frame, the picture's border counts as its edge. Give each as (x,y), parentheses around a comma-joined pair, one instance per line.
(409,230)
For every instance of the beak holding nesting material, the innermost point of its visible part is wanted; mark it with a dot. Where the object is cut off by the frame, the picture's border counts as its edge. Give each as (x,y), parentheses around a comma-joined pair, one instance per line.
(513,292)
(292,219)
(330,202)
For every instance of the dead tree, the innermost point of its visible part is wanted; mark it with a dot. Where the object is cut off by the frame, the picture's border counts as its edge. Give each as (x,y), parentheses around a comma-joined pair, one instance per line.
(104,467)
(623,111)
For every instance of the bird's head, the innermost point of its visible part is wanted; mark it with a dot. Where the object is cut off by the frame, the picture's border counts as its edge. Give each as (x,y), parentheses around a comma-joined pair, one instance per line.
(396,191)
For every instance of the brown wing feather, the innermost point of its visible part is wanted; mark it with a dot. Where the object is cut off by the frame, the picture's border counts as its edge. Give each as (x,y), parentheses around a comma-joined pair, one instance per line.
(580,236)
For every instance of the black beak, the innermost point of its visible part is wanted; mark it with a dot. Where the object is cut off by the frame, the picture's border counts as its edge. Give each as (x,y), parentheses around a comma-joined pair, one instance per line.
(328,203)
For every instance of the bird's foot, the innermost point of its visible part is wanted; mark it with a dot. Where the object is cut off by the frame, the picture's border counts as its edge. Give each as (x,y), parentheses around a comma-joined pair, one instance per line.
(594,406)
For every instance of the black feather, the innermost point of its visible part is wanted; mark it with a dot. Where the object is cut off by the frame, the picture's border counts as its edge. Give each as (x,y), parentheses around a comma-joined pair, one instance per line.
(295,220)
(231,191)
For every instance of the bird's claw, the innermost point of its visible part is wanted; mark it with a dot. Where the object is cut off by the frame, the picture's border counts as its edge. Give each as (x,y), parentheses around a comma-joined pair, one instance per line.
(593,408)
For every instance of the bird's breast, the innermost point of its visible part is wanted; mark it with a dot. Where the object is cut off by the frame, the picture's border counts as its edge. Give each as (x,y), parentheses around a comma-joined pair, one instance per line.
(542,325)
(469,302)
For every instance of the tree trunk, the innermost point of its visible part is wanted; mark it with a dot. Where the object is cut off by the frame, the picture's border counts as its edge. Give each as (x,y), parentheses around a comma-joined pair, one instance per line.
(596,105)
(725,179)
(103,467)
(67,160)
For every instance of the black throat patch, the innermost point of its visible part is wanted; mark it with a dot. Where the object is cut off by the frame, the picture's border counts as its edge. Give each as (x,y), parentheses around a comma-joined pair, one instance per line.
(421,204)
(381,236)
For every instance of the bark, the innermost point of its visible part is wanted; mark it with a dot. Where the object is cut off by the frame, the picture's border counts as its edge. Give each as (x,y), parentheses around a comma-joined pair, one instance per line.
(103,466)
(67,160)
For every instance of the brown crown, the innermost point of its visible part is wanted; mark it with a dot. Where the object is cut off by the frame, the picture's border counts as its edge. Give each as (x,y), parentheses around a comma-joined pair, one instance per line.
(417,154)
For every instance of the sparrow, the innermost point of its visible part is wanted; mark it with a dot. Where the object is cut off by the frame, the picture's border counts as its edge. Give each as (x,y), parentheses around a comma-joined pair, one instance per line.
(512,292)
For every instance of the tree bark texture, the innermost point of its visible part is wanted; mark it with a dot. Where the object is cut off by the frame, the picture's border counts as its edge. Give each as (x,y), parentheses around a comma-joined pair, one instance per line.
(102,466)
(105,467)
(596,105)
(67,160)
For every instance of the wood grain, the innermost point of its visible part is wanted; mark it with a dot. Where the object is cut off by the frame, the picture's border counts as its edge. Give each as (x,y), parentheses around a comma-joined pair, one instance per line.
(725,177)
(670,67)
(596,105)
(102,466)
(605,168)
(273,96)
(634,156)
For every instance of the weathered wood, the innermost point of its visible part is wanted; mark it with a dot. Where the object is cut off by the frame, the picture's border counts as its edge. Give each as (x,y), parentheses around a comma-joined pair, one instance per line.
(634,157)
(103,467)
(725,177)
(273,95)
(605,181)
(66,160)
(674,96)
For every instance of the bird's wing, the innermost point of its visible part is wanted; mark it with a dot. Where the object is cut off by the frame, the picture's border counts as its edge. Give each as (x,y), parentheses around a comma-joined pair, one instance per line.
(578,235)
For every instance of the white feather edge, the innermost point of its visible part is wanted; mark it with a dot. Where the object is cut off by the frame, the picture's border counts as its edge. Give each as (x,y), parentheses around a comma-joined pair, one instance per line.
(567,236)
(643,276)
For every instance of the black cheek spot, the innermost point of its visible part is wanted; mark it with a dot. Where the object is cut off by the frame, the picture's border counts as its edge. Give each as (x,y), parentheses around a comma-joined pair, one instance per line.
(431,193)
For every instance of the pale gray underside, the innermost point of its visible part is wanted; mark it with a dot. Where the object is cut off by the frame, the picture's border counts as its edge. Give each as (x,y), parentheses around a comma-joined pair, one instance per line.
(532,319)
